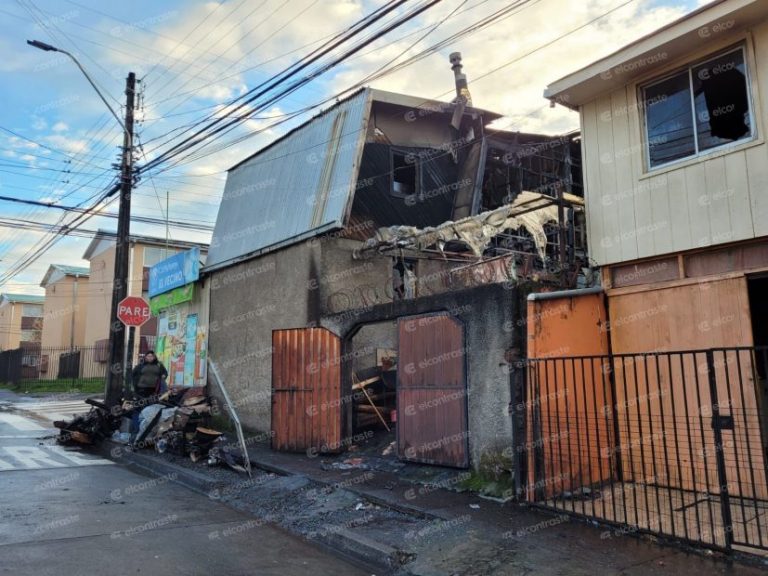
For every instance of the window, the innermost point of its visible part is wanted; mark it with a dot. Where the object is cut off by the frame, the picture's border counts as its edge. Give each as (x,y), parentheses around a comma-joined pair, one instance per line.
(405,174)
(704,107)
(33,310)
(155,254)
(30,336)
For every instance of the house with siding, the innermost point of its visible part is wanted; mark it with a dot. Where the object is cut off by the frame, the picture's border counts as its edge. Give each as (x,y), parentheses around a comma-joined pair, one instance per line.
(657,381)
(675,173)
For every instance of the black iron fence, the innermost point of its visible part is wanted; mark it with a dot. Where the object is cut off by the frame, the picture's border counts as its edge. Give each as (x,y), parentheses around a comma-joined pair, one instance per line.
(670,443)
(37,369)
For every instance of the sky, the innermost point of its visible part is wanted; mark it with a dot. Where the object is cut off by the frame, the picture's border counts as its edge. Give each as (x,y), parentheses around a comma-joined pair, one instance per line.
(59,143)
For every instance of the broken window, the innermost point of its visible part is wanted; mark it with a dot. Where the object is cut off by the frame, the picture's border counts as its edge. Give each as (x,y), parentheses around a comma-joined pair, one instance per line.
(404,279)
(404,174)
(699,109)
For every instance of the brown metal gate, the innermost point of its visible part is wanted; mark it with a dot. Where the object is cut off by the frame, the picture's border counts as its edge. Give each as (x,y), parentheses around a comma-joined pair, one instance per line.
(306,390)
(432,391)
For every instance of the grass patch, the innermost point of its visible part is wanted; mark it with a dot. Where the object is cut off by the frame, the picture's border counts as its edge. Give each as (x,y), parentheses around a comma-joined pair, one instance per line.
(78,385)
(493,476)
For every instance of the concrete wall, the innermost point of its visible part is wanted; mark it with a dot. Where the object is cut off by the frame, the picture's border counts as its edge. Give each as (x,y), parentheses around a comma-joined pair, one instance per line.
(345,283)
(370,338)
(491,316)
(248,301)
(319,283)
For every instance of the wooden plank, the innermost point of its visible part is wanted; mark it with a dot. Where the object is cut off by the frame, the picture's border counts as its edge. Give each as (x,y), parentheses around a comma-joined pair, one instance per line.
(592,187)
(611,239)
(717,202)
(698,211)
(677,193)
(659,229)
(360,384)
(625,158)
(737,196)
(757,172)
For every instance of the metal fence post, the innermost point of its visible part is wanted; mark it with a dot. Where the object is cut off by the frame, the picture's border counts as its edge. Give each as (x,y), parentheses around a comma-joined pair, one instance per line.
(725,501)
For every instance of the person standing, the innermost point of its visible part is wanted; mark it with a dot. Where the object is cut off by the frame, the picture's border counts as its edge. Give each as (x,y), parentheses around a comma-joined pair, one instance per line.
(149,375)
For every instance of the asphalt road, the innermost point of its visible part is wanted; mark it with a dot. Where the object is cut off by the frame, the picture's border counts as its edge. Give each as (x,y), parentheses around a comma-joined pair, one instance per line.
(66,512)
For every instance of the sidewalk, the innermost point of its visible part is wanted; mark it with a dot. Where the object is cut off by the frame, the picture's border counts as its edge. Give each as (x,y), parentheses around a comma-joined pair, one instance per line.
(382,517)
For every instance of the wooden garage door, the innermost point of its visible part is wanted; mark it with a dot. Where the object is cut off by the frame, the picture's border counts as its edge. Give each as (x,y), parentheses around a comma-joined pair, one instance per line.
(306,390)
(432,391)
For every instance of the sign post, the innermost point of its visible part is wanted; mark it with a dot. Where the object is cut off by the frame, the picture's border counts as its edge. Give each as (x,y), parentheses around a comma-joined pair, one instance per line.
(132,311)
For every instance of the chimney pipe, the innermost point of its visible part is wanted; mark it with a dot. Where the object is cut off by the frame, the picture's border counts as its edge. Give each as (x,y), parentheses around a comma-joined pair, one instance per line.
(462,88)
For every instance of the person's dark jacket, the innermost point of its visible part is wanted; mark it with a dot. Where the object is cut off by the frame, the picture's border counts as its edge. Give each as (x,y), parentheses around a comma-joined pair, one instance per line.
(147,376)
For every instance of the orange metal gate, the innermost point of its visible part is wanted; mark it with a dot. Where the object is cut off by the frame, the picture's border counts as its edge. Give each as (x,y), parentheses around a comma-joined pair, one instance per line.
(306,390)
(432,391)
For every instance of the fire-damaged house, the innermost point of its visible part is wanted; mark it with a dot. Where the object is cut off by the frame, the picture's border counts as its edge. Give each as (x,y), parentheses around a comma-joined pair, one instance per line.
(368,272)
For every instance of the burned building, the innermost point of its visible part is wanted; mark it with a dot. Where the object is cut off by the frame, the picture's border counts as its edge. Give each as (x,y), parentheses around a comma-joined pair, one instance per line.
(367,270)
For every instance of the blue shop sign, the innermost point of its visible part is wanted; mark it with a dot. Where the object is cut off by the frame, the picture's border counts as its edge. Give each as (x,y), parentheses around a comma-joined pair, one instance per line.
(178,270)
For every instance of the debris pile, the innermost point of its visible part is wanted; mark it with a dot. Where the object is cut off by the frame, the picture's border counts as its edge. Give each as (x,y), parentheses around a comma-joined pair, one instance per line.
(176,422)
(90,428)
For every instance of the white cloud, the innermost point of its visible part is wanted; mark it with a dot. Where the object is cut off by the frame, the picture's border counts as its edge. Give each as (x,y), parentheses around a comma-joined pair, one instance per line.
(60,127)
(67,144)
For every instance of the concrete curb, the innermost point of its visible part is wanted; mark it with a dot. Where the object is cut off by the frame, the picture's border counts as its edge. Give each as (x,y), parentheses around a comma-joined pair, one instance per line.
(121,454)
(345,543)
(355,545)
(374,499)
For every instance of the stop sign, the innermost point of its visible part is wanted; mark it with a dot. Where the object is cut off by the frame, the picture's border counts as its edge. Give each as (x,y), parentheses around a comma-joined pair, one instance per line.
(133,311)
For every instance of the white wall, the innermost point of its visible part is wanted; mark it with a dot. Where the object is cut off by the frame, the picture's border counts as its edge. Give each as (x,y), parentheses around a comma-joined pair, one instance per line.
(636,213)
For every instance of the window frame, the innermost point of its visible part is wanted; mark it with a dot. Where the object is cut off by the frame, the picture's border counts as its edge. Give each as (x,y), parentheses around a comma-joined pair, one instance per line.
(417,170)
(688,68)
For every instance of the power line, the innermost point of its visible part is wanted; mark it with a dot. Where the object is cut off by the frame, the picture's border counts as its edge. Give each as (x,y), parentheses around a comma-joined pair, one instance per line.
(481,24)
(78,210)
(214,128)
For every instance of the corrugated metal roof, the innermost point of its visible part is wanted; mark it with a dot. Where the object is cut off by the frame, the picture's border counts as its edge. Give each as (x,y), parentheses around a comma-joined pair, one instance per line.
(296,187)
(74,270)
(24,298)
(58,271)
(109,236)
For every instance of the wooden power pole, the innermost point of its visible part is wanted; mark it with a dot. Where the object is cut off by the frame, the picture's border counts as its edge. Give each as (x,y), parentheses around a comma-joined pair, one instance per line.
(114,386)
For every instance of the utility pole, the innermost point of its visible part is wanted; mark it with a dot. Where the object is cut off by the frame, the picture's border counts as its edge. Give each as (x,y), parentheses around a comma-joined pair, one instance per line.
(115,376)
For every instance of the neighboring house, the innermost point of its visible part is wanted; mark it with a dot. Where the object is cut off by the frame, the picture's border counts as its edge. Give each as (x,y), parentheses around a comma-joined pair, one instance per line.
(145,251)
(65,312)
(675,174)
(21,320)
(380,245)
(659,421)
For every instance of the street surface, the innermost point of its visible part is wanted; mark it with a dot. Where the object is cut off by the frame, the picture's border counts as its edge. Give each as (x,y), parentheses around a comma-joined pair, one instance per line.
(68,512)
